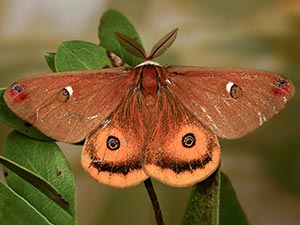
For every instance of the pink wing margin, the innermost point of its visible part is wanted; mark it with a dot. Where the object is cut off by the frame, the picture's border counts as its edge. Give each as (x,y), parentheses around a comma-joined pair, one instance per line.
(67,106)
(230,102)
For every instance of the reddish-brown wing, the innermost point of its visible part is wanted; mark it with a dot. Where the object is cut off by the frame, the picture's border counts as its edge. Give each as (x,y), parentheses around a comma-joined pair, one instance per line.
(68,106)
(112,155)
(180,151)
(230,102)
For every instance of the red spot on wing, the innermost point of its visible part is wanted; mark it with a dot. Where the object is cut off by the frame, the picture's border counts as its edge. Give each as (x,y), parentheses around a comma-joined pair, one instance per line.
(282,88)
(17,97)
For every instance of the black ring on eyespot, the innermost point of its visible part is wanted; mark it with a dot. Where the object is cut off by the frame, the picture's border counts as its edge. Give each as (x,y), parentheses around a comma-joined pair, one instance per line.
(63,95)
(235,91)
(113,143)
(188,140)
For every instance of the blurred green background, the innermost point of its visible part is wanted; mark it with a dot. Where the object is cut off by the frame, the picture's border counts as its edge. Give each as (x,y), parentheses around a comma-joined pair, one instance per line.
(264,166)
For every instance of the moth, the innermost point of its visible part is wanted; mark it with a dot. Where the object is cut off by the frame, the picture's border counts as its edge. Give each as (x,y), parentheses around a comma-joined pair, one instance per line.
(151,120)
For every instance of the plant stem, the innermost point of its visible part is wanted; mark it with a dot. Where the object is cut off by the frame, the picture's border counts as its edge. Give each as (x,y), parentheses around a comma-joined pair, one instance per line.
(154,201)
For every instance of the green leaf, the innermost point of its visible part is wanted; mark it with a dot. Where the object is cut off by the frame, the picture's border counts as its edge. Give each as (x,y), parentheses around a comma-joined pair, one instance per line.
(50,58)
(203,207)
(80,55)
(36,181)
(111,22)
(214,202)
(11,120)
(16,210)
(46,160)
(230,209)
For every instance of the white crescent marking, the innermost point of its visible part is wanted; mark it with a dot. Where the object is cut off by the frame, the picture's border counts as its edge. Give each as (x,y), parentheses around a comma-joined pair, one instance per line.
(229,86)
(69,90)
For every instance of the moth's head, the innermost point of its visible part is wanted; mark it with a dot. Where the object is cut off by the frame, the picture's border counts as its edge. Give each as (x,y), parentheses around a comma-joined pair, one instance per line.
(148,62)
